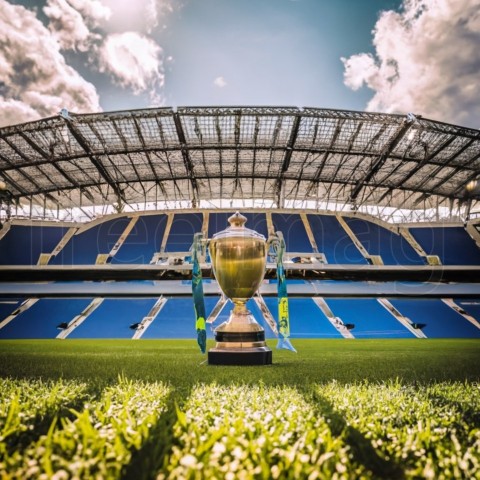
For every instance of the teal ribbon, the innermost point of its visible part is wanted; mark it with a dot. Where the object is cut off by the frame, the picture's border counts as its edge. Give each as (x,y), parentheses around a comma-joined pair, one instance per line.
(283,313)
(198,300)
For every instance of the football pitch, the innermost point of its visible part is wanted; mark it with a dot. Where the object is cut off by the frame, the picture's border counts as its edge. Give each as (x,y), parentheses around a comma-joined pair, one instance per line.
(155,409)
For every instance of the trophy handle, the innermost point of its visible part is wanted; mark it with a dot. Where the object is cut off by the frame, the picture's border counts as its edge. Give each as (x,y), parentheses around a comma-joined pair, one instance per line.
(276,246)
(200,246)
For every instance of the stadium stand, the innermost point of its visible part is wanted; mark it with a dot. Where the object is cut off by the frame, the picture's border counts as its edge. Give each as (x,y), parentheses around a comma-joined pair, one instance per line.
(293,229)
(471,306)
(453,245)
(143,241)
(218,221)
(391,247)
(183,228)
(7,306)
(23,244)
(89,241)
(370,319)
(284,165)
(42,319)
(306,321)
(113,318)
(181,309)
(333,241)
(437,319)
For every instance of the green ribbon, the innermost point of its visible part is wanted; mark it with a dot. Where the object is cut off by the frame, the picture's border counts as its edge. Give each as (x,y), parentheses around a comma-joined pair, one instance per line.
(283,313)
(198,300)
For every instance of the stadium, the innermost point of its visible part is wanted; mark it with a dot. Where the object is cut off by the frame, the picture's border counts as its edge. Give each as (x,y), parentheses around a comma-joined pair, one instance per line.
(380,217)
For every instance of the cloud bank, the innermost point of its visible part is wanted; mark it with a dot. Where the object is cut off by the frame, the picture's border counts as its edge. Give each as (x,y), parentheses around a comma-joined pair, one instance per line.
(427,61)
(134,61)
(71,22)
(35,80)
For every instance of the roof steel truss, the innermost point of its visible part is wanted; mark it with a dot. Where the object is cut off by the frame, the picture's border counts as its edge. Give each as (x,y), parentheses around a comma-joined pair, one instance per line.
(269,153)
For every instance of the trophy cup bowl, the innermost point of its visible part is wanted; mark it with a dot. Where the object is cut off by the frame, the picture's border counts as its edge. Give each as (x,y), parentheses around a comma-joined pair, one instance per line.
(239,257)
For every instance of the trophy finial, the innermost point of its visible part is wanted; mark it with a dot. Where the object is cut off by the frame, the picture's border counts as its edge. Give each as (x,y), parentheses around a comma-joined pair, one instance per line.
(237,220)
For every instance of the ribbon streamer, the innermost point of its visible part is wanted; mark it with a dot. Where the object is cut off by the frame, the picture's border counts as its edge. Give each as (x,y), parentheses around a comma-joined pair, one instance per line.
(198,300)
(278,245)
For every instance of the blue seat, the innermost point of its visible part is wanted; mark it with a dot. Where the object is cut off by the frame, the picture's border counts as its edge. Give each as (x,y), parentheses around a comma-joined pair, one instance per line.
(306,319)
(184,227)
(113,317)
(8,305)
(294,233)
(218,221)
(42,318)
(439,320)
(177,319)
(22,245)
(471,306)
(333,241)
(143,241)
(453,245)
(83,248)
(371,319)
(392,247)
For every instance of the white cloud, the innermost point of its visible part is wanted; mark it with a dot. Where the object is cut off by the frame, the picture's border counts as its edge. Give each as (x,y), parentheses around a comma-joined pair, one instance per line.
(140,15)
(35,80)
(427,61)
(220,82)
(94,10)
(72,21)
(15,111)
(134,61)
(67,25)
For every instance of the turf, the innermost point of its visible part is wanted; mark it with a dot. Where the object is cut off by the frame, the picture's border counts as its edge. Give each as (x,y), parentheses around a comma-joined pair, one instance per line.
(180,364)
(155,409)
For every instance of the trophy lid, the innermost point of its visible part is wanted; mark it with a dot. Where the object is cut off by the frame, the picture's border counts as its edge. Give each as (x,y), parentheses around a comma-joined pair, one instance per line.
(237,228)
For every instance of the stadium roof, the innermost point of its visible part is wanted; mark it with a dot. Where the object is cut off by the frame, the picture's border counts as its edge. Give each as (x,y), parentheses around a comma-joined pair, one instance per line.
(280,154)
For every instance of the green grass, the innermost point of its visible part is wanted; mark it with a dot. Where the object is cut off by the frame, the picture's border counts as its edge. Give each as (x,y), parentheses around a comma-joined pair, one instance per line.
(180,363)
(148,409)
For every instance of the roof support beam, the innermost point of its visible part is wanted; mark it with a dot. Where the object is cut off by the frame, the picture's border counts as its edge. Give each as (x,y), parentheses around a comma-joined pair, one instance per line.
(323,161)
(185,154)
(12,182)
(132,163)
(97,164)
(47,157)
(238,119)
(459,168)
(419,165)
(288,156)
(378,163)
(26,175)
(167,161)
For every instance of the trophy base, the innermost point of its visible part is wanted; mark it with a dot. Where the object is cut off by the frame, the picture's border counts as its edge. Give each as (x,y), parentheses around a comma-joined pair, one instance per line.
(240,341)
(240,356)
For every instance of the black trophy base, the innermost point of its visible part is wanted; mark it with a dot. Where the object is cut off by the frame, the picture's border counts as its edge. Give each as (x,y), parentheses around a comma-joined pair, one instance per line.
(227,356)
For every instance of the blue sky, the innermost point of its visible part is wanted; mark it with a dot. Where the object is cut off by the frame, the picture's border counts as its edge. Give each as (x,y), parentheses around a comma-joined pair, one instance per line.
(420,56)
(278,52)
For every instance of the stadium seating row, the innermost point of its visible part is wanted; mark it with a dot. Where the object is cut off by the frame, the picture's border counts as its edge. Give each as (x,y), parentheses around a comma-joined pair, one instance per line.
(149,238)
(119,318)
(142,239)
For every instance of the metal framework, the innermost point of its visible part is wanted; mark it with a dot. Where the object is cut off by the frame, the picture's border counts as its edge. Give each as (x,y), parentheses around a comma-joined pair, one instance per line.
(280,154)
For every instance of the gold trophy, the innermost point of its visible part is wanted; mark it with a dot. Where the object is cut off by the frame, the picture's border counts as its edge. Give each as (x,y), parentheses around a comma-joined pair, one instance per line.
(239,258)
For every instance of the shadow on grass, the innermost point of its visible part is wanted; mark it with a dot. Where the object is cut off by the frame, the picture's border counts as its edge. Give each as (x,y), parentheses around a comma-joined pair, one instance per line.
(469,415)
(147,461)
(20,440)
(362,449)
